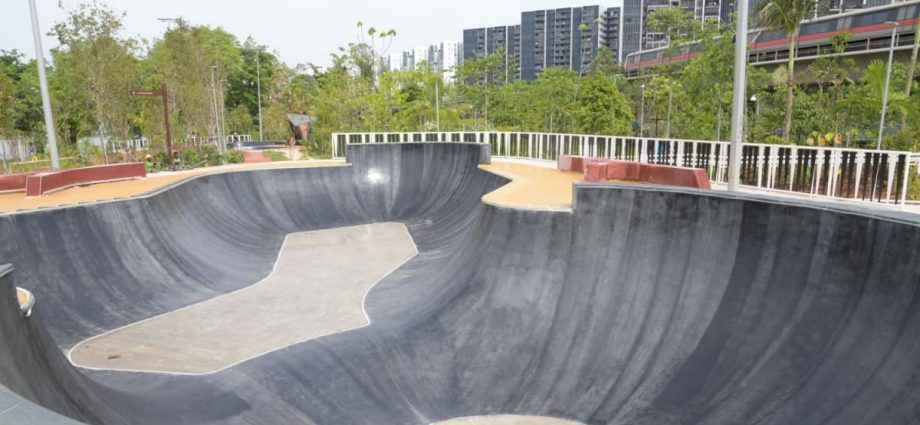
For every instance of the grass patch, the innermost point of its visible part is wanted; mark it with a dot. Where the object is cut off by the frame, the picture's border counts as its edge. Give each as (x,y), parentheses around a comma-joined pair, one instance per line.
(275,156)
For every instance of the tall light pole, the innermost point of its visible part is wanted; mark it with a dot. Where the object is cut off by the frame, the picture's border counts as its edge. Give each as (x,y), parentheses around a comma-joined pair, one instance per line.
(753,119)
(881,123)
(437,104)
(642,114)
(43,84)
(739,95)
(259,90)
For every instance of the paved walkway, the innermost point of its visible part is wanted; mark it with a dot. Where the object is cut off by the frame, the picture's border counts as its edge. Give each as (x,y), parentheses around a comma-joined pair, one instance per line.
(532,186)
(507,420)
(14,201)
(313,291)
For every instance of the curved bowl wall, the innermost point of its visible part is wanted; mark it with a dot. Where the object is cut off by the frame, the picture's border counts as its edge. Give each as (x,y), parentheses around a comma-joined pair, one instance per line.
(642,306)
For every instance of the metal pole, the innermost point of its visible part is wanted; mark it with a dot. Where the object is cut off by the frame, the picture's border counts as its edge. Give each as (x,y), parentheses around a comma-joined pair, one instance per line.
(259,90)
(913,57)
(642,114)
(223,122)
(43,83)
(881,124)
(739,95)
(165,94)
(437,104)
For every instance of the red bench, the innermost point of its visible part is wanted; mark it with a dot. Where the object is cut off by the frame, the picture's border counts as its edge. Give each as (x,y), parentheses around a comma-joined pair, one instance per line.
(600,169)
(11,182)
(42,183)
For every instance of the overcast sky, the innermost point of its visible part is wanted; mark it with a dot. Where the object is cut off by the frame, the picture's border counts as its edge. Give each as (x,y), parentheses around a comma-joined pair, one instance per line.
(300,31)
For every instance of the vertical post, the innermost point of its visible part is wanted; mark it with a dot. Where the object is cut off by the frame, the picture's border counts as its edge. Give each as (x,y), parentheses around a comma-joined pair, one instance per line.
(881,122)
(223,130)
(913,58)
(165,95)
(259,91)
(437,104)
(739,95)
(642,114)
(43,84)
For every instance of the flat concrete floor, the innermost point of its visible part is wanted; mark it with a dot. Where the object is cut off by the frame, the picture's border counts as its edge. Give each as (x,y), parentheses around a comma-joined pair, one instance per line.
(317,288)
(507,420)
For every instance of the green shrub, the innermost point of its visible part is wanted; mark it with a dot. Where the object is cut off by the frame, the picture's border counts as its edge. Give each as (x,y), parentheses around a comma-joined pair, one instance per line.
(235,157)
(189,157)
(211,156)
(913,187)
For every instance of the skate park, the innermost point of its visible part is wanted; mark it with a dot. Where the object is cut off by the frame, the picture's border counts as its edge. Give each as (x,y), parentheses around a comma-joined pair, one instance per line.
(416,283)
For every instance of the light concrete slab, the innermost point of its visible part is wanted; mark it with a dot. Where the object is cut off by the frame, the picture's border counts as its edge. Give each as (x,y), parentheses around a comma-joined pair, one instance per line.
(507,420)
(317,288)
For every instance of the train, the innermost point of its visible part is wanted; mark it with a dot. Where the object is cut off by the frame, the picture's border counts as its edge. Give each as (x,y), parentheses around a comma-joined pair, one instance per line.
(870,30)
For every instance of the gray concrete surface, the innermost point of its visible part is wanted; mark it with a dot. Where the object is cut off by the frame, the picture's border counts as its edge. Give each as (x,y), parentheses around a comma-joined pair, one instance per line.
(506,420)
(316,288)
(641,306)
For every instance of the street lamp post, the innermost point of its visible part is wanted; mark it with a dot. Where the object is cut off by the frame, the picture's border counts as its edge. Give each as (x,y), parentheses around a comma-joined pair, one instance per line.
(738,95)
(881,123)
(753,118)
(642,113)
(43,84)
(259,91)
(437,104)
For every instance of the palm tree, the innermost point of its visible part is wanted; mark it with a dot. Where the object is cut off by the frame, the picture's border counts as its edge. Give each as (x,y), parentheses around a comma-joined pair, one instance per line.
(786,16)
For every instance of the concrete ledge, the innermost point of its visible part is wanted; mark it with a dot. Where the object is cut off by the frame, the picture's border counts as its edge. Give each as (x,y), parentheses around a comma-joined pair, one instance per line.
(42,183)
(14,182)
(600,169)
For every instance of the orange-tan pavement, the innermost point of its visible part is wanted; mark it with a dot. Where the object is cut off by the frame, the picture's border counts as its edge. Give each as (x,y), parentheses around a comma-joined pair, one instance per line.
(23,296)
(532,186)
(14,201)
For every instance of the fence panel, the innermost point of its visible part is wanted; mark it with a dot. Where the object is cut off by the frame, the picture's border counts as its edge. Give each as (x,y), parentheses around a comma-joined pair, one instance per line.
(858,174)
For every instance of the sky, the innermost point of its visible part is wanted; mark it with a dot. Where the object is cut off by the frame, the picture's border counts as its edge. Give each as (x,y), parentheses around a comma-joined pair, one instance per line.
(304,31)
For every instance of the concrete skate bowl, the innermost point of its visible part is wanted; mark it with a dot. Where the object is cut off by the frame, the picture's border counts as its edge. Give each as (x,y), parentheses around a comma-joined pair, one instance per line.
(641,306)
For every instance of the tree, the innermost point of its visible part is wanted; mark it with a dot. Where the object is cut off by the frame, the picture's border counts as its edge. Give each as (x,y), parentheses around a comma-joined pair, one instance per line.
(552,97)
(25,114)
(679,27)
(786,16)
(195,62)
(874,80)
(834,69)
(257,68)
(602,108)
(479,75)
(99,64)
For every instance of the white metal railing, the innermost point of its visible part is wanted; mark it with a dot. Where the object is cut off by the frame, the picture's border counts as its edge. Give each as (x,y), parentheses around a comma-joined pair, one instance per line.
(844,173)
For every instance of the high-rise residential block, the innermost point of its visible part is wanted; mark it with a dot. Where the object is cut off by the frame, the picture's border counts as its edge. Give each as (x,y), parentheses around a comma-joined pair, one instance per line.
(485,41)
(611,32)
(567,37)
